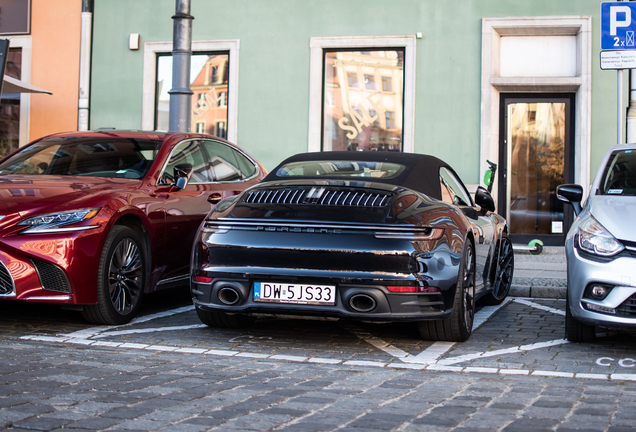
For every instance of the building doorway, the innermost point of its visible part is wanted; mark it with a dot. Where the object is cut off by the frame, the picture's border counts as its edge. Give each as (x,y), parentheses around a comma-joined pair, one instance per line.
(535,156)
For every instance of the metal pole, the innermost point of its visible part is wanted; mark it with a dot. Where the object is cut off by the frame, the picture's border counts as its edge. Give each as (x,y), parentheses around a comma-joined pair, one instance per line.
(619,97)
(85,65)
(631,112)
(181,95)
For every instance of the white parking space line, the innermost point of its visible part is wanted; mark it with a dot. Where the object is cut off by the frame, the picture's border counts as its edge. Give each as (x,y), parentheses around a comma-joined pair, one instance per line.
(434,352)
(364,363)
(147,330)
(324,360)
(438,367)
(377,342)
(553,374)
(94,331)
(431,354)
(539,306)
(428,359)
(520,348)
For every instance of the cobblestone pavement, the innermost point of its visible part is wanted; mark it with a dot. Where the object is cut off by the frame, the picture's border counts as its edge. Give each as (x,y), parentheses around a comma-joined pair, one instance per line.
(166,371)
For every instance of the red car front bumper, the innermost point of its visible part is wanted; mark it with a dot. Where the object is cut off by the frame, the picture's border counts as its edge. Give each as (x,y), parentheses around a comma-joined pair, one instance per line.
(51,268)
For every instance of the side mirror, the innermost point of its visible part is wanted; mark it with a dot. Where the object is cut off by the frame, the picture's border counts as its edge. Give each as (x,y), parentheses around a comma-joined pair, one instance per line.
(182,174)
(181,182)
(572,194)
(484,200)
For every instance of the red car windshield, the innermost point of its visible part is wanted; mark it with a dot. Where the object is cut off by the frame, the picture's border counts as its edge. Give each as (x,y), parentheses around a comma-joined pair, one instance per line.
(98,157)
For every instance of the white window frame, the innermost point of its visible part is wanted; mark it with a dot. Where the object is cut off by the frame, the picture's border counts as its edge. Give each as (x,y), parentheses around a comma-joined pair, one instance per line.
(581,84)
(319,44)
(151,49)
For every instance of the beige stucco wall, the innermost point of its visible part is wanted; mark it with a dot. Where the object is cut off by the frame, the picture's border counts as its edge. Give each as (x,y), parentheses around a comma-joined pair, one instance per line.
(55,31)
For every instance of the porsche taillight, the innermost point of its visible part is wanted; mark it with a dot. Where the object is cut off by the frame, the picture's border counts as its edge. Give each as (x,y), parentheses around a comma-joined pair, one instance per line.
(412,289)
(202,279)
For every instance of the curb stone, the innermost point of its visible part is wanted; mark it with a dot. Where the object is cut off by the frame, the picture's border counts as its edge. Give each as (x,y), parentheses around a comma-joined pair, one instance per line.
(537,291)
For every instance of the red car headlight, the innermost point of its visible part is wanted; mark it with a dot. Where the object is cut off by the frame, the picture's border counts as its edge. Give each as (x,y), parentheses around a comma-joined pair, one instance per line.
(55,222)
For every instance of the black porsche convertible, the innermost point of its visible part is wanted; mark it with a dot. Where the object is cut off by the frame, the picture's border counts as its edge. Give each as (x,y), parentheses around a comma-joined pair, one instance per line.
(370,236)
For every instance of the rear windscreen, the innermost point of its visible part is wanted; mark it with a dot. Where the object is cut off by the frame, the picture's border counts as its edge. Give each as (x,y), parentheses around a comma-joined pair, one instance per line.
(340,169)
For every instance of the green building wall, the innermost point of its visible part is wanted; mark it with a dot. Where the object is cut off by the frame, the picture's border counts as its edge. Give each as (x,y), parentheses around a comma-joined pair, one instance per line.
(273,106)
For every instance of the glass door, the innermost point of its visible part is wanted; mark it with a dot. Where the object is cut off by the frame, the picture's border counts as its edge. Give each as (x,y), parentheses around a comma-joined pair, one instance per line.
(536,156)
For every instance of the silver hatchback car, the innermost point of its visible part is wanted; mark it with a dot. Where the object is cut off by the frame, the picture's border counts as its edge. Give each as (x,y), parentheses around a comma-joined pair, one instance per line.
(601,249)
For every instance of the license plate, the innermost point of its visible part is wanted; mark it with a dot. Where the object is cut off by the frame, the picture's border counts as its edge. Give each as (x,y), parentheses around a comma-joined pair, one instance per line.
(294,293)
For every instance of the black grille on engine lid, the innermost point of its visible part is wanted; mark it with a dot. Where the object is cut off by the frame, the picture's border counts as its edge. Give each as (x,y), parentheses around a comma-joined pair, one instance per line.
(317,196)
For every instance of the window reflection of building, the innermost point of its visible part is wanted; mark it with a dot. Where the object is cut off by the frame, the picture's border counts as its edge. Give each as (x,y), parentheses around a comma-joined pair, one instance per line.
(353,79)
(386,84)
(211,84)
(389,119)
(363,117)
(209,87)
(537,137)
(369,82)
(220,130)
(10,107)
(222,99)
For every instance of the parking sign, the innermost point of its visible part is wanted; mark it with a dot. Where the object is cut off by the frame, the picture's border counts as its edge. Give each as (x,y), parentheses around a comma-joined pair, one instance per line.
(618,25)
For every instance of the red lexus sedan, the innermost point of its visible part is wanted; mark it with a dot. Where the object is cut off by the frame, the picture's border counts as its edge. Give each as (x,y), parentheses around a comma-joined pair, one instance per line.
(93,220)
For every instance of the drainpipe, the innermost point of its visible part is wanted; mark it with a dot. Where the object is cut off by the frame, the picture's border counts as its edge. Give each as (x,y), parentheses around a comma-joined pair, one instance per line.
(631,111)
(181,95)
(85,65)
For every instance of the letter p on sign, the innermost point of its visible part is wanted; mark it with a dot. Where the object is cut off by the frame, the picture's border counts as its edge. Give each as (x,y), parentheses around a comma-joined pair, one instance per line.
(620,16)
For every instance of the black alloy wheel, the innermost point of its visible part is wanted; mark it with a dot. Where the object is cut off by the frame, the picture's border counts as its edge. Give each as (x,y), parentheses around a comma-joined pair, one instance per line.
(503,270)
(468,291)
(459,326)
(120,279)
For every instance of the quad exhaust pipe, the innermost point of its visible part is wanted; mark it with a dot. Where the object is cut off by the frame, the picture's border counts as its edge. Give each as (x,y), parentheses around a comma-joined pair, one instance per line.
(362,303)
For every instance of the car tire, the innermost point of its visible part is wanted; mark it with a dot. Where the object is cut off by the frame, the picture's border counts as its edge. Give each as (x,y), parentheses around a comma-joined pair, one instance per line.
(575,330)
(458,327)
(504,267)
(223,320)
(121,278)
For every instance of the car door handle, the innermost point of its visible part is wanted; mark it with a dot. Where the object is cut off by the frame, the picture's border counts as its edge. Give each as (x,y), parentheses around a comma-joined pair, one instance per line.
(214,198)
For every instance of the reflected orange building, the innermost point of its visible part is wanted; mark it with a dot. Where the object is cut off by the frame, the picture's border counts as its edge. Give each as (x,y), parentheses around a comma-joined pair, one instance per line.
(209,101)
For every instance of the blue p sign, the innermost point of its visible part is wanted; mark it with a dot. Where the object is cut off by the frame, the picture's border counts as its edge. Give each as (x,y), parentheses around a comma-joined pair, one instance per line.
(620,16)
(617,26)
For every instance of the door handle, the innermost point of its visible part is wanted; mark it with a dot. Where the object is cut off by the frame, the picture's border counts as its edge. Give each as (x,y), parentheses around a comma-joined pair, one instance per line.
(214,198)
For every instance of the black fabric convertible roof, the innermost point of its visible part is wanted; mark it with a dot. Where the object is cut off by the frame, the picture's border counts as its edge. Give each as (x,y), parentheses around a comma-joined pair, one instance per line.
(421,172)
